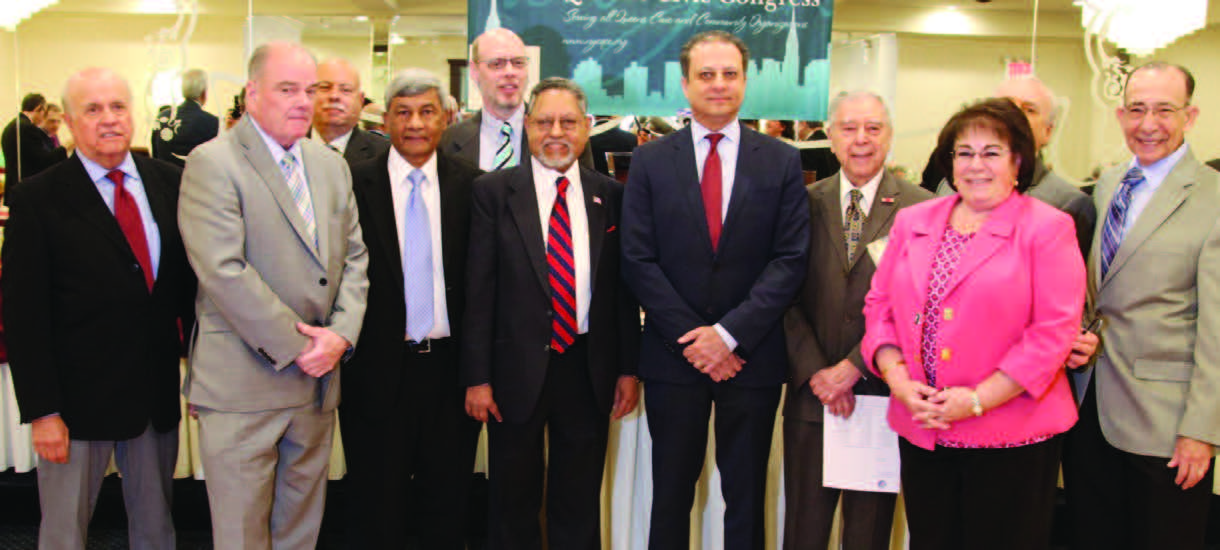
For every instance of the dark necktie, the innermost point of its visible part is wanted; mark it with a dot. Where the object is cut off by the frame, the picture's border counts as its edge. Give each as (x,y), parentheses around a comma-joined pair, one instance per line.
(1116,218)
(711,187)
(562,276)
(128,215)
(853,223)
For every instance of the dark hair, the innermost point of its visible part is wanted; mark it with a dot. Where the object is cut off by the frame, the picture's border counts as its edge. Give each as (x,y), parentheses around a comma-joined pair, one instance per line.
(1162,66)
(239,105)
(32,102)
(712,36)
(999,115)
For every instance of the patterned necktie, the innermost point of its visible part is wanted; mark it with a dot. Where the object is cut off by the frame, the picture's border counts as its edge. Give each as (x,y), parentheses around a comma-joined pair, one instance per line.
(300,194)
(562,265)
(417,260)
(1116,218)
(853,223)
(711,187)
(504,153)
(128,215)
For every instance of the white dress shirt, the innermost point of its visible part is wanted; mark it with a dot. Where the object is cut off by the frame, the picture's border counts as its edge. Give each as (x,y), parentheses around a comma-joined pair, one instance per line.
(1154,175)
(869,191)
(339,143)
(727,149)
(400,190)
(489,137)
(546,183)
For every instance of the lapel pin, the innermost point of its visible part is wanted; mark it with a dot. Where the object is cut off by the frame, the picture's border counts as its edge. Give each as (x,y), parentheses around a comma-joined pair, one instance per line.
(887,200)
(597,200)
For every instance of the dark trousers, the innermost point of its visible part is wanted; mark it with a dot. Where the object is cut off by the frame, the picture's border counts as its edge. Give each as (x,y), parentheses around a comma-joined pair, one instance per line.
(565,438)
(1119,500)
(677,421)
(980,498)
(422,453)
(868,517)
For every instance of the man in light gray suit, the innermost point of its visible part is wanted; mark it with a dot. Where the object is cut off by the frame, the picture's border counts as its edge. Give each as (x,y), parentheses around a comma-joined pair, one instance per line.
(825,326)
(1141,462)
(270,226)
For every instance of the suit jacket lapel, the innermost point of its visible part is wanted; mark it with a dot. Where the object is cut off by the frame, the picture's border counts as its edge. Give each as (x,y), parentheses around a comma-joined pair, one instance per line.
(926,235)
(161,204)
(467,136)
(451,215)
(315,178)
(885,205)
(832,213)
(995,233)
(689,190)
(595,211)
(85,199)
(380,201)
(523,204)
(1167,198)
(741,181)
(255,150)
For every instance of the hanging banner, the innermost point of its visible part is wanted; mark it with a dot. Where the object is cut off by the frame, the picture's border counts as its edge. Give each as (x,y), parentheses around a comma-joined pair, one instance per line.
(624,53)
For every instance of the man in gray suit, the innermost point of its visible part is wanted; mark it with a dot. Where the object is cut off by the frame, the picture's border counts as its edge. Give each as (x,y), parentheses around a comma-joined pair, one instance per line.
(1149,421)
(270,226)
(1037,101)
(826,325)
(494,138)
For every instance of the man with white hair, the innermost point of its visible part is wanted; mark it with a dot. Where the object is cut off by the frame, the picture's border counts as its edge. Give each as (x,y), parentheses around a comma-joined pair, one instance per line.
(337,105)
(96,284)
(174,137)
(848,211)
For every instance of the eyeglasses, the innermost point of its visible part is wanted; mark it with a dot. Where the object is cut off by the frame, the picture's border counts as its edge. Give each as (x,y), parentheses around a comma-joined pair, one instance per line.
(546,124)
(989,155)
(499,63)
(1161,111)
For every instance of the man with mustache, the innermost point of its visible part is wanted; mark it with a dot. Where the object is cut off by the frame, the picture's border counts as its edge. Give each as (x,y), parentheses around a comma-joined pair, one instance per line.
(552,333)
(96,285)
(496,137)
(337,105)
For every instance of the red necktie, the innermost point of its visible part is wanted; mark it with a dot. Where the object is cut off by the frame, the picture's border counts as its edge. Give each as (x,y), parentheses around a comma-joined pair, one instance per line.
(128,215)
(710,185)
(562,278)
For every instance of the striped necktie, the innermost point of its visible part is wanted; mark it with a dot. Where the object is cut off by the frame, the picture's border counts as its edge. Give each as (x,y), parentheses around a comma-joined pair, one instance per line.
(504,153)
(417,260)
(300,194)
(562,277)
(1116,218)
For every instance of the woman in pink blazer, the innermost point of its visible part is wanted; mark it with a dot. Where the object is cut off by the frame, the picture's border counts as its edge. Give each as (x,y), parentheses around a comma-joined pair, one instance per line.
(971,314)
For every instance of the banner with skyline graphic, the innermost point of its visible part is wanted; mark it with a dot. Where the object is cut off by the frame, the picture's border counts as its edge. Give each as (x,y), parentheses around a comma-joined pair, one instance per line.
(624,53)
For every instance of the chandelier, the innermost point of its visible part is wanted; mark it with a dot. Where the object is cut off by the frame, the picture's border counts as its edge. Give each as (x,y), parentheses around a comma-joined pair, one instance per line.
(1142,26)
(13,12)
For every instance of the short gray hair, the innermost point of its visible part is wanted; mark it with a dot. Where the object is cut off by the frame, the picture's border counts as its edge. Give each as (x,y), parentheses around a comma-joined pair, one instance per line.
(560,83)
(258,59)
(194,84)
(412,82)
(843,97)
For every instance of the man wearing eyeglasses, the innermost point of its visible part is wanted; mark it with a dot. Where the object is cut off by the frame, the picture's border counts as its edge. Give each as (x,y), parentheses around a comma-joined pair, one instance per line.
(552,334)
(337,105)
(495,137)
(1148,424)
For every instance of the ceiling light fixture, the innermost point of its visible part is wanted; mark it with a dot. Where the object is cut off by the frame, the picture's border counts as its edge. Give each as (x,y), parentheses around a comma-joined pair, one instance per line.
(1142,26)
(13,12)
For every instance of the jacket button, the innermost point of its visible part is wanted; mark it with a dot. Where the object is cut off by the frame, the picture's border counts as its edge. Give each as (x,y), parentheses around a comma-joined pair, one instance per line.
(546,347)
(948,314)
(550,313)
(135,267)
(708,310)
(323,281)
(946,354)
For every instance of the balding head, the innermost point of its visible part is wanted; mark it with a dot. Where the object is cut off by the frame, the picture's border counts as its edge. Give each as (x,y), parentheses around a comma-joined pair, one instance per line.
(279,95)
(339,99)
(501,71)
(1037,101)
(97,108)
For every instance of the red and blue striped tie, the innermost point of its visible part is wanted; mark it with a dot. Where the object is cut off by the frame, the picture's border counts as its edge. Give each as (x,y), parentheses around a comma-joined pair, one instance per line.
(562,276)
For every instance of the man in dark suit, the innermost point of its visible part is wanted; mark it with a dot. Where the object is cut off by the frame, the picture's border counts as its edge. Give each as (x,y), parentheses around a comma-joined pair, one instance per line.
(403,410)
(96,285)
(495,137)
(27,149)
(716,232)
(848,212)
(337,105)
(176,136)
(550,329)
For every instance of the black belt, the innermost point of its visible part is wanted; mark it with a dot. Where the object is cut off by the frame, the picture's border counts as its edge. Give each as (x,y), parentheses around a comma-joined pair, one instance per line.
(425,346)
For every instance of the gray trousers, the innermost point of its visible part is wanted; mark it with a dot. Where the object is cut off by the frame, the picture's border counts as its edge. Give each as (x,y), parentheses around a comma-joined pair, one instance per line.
(68,492)
(266,476)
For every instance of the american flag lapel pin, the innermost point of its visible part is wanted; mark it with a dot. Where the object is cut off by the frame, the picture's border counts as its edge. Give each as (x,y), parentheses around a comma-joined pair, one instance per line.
(597,200)
(887,200)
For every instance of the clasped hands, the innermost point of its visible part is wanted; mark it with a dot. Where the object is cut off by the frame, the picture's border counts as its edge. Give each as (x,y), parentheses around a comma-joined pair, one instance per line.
(322,352)
(706,351)
(833,385)
(933,409)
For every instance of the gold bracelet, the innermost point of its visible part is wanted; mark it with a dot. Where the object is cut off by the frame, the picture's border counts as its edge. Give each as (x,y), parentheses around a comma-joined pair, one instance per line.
(976,406)
(901,363)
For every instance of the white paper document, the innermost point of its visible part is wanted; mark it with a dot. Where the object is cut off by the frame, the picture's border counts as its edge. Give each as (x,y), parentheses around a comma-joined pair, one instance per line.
(860,453)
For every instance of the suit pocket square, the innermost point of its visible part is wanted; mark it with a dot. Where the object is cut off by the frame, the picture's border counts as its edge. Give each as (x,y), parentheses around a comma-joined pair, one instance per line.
(612,229)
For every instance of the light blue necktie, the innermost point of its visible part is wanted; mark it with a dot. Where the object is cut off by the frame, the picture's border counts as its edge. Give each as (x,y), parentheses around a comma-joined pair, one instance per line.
(417,260)
(1116,218)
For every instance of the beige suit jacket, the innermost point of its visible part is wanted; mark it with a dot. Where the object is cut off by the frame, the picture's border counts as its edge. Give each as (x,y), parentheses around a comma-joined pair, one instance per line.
(259,272)
(1158,373)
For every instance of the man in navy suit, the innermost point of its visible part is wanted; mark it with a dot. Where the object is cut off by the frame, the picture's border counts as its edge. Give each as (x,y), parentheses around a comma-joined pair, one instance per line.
(715,232)
(175,137)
